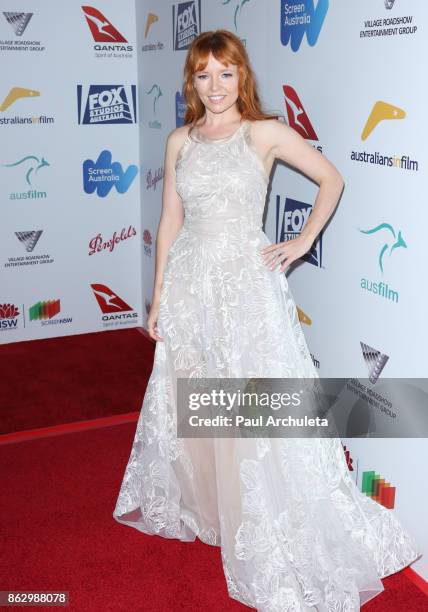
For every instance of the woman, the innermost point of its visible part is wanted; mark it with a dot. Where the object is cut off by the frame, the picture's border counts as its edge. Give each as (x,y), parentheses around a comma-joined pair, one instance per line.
(295,532)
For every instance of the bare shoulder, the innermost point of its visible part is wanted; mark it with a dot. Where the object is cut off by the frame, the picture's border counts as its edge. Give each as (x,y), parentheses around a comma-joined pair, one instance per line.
(178,136)
(267,129)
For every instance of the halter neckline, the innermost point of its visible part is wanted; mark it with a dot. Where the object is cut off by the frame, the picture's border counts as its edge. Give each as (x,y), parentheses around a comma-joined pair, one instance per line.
(194,134)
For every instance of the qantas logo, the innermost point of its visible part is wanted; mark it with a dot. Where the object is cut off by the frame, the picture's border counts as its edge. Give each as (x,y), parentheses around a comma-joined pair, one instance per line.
(101,28)
(297,116)
(109,301)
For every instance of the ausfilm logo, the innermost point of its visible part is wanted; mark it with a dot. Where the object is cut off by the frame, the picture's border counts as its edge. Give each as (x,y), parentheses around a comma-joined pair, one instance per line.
(154,177)
(115,310)
(98,244)
(298,118)
(17,97)
(150,31)
(390,242)
(186,23)
(45,312)
(9,317)
(18,23)
(291,217)
(29,241)
(109,41)
(27,168)
(388,25)
(106,104)
(384,116)
(154,93)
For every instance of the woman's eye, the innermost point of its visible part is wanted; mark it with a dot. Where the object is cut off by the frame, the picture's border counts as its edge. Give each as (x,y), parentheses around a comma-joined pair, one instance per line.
(227,74)
(201,76)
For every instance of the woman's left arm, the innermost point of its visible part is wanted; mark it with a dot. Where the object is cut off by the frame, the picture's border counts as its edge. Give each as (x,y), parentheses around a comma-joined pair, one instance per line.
(286,144)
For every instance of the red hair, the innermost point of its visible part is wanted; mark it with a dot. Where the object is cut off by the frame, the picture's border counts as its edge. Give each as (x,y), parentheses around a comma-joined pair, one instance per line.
(227,48)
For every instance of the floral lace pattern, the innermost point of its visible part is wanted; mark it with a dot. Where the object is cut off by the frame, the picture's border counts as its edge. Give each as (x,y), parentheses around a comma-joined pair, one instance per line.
(295,532)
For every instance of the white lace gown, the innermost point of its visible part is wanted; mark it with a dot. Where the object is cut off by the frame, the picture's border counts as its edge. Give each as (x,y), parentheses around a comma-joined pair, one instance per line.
(295,532)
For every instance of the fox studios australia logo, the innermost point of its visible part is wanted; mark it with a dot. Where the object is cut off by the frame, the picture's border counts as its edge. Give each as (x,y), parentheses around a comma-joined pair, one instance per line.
(100,104)
(299,18)
(291,218)
(186,23)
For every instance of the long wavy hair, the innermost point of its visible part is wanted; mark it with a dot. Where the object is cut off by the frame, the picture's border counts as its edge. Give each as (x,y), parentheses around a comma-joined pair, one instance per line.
(227,48)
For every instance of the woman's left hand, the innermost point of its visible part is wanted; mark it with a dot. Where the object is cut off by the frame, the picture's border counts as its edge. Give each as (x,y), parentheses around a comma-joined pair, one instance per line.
(285,253)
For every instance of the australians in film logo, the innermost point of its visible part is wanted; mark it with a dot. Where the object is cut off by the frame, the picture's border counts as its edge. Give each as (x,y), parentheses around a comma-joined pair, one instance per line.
(17,97)
(18,22)
(101,176)
(109,42)
(390,242)
(299,18)
(186,23)
(291,217)
(379,119)
(150,30)
(9,317)
(46,313)
(297,116)
(115,310)
(29,240)
(111,104)
(26,170)
(98,244)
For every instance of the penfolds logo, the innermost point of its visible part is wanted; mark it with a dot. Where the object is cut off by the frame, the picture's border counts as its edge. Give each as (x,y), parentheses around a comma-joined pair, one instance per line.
(98,243)
(153,178)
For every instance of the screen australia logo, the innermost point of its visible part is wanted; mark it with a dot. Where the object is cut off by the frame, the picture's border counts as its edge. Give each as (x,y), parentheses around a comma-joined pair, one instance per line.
(106,104)
(299,18)
(101,176)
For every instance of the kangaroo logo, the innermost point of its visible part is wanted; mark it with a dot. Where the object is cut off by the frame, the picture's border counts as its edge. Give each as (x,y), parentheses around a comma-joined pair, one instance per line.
(103,174)
(297,117)
(238,9)
(299,18)
(35,165)
(157,94)
(101,28)
(397,237)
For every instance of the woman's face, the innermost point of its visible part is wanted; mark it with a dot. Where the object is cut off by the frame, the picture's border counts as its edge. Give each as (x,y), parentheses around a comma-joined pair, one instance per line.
(217,85)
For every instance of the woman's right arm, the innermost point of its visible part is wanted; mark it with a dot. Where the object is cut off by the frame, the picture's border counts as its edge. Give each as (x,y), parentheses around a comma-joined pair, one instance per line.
(172,217)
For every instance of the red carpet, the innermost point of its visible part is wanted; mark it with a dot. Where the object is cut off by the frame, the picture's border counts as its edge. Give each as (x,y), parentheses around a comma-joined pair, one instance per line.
(58,495)
(75,378)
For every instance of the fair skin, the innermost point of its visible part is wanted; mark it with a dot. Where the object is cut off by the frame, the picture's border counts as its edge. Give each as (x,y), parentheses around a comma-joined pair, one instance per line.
(217,86)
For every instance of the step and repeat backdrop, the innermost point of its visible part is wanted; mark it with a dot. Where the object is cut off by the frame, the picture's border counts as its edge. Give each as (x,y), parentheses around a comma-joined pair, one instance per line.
(70,228)
(88,98)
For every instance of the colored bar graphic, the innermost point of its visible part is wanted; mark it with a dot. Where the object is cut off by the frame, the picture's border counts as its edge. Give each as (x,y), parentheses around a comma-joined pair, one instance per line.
(378,489)
(44,310)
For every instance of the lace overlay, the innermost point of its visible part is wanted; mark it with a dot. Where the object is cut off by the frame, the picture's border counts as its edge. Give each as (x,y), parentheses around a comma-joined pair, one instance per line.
(295,532)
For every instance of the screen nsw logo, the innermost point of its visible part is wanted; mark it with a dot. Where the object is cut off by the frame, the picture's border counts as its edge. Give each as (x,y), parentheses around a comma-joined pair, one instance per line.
(104,174)
(299,18)
(106,104)
(186,23)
